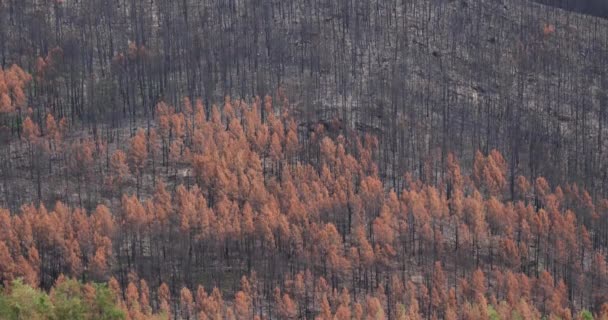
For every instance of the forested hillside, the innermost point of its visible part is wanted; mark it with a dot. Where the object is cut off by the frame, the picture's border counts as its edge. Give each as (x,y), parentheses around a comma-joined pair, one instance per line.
(238,205)
(266,159)
(425,77)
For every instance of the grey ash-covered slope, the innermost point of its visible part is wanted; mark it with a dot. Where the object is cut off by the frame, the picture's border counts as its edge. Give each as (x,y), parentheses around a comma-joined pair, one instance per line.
(431,77)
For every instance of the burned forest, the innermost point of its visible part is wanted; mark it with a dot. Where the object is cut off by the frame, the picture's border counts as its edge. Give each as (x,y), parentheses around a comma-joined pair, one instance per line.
(305,159)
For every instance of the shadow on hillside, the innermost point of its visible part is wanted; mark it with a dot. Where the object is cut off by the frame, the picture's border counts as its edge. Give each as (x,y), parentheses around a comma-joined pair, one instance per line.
(598,8)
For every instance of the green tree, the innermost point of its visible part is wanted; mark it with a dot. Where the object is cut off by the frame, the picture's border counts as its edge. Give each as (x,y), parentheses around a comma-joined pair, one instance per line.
(585,315)
(69,300)
(24,302)
(105,306)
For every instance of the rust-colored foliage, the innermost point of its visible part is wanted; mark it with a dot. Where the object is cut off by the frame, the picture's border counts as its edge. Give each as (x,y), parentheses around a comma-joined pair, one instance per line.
(12,85)
(186,304)
(548,29)
(244,193)
(138,151)
(164,298)
(119,167)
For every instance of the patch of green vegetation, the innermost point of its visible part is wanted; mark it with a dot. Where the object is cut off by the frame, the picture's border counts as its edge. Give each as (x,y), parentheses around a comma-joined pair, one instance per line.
(585,315)
(492,314)
(67,301)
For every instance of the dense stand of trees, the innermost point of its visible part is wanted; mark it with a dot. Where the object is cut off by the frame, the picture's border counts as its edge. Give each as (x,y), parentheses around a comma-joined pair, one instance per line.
(240,215)
(426,77)
(437,160)
(70,299)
